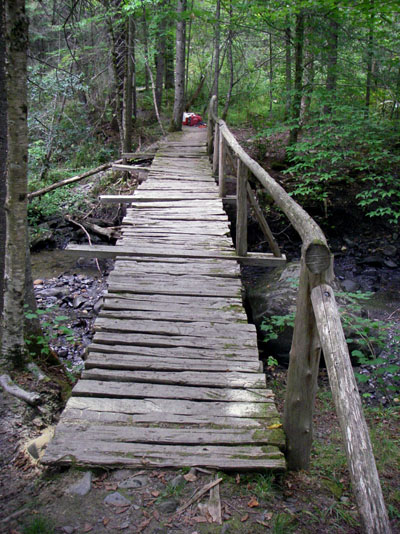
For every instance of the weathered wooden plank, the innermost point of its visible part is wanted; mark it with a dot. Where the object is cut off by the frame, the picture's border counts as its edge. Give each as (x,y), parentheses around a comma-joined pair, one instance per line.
(91,454)
(112,343)
(168,420)
(168,436)
(179,407)
(173,317)
(140,390)
(132,362)
(228,270)
(189,378)
(181,288)
(244,332)
(102,251)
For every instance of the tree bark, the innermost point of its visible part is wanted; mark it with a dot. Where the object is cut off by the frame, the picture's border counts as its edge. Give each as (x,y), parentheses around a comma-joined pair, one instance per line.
(288,68)
(3,152)
(179,101)
(298,78)
(13,343)
(127,102)
(217,38)
(231,66)
(370,60)
(331,73)
(160,58)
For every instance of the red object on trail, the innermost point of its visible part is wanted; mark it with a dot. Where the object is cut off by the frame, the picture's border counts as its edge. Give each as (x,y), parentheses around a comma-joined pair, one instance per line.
(192,119)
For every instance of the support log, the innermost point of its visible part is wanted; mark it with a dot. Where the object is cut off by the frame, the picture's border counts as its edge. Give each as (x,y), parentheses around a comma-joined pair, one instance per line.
(360,458)
(221,166)
(216,150)
(241,214)
(302,376)
(263,223)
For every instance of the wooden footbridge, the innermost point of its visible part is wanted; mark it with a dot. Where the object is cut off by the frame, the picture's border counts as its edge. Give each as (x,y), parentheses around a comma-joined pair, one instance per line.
(173,377)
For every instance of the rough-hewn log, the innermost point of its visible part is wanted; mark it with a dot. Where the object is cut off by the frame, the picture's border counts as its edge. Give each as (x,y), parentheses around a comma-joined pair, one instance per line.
(363,472)
(72,180)
(216,150)
(241,214)
(318,256)
(221,165)
(263,223)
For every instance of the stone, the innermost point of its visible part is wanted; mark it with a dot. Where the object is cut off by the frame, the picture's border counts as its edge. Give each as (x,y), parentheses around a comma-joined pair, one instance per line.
(169,506)
(177,481)
(116,499)
(350,285)
(133,483)
(121,474)
(390,250)
(391,264)
(83,486)
(68,529)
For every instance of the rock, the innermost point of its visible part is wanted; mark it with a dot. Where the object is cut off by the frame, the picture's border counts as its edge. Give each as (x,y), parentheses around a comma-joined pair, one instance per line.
(68,529)
(350,285)
(83,486)
(169,506)
(121,474)
(390,250)
(55,292)
(133,483)
(371,260)
(78,301)
(116,499)
(98,305)
(37,446)
(177,481)
(389,263)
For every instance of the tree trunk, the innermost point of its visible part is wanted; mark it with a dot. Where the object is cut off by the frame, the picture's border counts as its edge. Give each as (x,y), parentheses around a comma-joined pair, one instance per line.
(231,66)
(3,152)
(179,101)
(13,343)
(370,59)
(217,38)
(331,74)
(298,78)
(127,103)
(288,68)
(117,89)
(308,84)
(271,73)
(169,62)
(160,59)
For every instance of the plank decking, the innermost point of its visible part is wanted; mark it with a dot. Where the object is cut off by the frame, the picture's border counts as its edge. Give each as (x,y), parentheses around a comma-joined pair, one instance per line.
(172,377)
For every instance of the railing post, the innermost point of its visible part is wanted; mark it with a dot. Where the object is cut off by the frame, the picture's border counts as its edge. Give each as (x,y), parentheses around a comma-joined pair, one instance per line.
(302,373)
(216,149)
(241,205)
(221,165)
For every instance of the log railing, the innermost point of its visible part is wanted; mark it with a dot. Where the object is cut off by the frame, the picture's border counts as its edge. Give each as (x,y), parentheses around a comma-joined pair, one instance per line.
(317,325)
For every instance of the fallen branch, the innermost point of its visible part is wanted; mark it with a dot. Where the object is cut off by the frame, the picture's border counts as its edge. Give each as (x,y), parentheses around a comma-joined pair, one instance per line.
(68,181)
(9,387)
(198,495)
(111,232)
(88,236)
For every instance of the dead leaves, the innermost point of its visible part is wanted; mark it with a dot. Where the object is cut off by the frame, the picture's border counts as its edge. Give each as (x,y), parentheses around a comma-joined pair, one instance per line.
(253,503)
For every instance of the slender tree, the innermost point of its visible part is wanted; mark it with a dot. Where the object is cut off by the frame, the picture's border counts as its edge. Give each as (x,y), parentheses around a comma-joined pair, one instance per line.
(179,102)
(13,343)
(3,150)
(298,77)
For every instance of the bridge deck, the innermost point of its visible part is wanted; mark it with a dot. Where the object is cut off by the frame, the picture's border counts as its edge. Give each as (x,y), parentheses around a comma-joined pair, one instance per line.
(172,376)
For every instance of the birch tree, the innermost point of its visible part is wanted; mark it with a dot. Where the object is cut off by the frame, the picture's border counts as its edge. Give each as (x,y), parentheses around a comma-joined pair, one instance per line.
(179,101)
(13,344)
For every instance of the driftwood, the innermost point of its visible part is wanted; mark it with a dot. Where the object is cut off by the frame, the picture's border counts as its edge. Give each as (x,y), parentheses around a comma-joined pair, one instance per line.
(72,180)
(112,232)
(9,387)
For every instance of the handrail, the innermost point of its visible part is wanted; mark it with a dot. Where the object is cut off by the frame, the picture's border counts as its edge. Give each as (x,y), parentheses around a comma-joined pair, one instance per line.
(317,324)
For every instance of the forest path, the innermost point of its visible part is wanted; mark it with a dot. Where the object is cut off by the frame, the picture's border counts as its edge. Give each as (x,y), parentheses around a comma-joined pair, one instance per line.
(173,377)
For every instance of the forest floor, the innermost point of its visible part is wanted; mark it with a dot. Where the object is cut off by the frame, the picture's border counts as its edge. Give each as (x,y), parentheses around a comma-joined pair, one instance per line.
(39,500)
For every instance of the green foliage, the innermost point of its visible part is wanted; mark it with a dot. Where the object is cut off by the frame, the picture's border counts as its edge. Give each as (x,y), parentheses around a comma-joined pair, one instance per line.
(273,326)
(62,200)
(39,525)
(282,524)
(53,328)
(349,149)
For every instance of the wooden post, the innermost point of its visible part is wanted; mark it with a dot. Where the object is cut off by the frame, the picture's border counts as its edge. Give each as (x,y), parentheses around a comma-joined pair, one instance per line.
(241,213)
(360,458)
(302,376)
(216,149)
(221,165)
(263,223)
